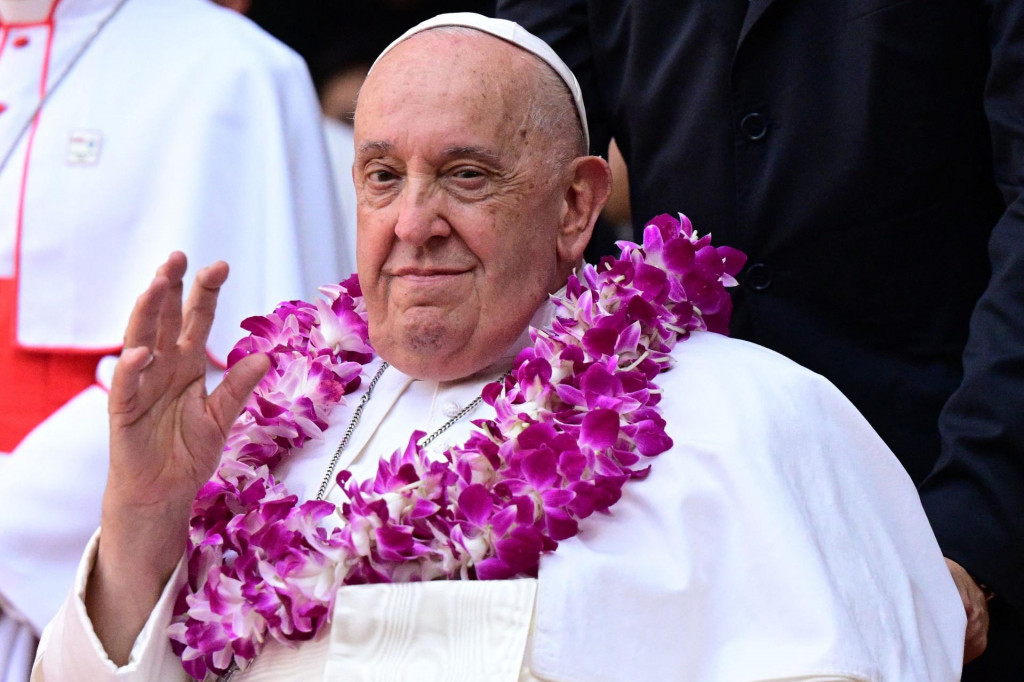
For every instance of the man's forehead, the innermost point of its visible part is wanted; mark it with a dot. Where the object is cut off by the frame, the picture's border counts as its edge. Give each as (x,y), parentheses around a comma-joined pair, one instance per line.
(468,84)
(510,33)
(483,53)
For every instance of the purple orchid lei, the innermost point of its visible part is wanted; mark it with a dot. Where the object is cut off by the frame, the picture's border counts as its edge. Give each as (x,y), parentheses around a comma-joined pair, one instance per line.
(576,418)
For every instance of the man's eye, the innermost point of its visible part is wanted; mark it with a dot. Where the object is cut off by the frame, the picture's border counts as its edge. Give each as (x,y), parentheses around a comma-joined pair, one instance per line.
(381,176)
(467,173)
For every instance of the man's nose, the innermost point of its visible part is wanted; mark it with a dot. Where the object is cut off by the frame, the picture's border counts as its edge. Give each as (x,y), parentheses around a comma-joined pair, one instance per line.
(420,215)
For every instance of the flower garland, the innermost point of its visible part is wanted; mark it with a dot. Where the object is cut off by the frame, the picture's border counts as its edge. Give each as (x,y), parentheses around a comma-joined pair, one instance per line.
(575,419)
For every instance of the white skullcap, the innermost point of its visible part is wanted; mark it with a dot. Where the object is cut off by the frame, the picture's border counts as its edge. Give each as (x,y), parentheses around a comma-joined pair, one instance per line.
(513,33)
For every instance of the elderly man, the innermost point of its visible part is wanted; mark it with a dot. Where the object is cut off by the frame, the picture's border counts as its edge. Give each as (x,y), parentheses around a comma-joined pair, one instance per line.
(774,537)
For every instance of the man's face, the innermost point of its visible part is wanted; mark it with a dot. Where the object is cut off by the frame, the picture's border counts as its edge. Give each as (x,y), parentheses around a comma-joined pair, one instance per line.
(458,208)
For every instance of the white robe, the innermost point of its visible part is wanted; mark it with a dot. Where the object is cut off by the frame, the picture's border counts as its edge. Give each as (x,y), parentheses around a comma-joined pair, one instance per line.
(778,539)
(182,126)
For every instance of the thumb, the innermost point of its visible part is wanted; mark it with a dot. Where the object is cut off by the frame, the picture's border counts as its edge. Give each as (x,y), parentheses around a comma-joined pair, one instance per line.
(228,399)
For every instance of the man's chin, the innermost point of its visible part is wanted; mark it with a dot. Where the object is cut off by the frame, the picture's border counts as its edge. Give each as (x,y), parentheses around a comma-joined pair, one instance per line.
(438,356)
(435,368)
(423,346)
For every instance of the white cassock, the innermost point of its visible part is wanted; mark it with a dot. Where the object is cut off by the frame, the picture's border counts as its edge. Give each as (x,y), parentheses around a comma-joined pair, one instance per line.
(181,126)
(778,539)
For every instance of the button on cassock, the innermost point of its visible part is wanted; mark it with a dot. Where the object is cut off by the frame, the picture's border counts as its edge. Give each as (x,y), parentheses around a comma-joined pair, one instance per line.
(450,408)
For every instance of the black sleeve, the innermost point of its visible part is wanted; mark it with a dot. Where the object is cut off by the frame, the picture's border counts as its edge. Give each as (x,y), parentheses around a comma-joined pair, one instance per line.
(975,495)
(565,26)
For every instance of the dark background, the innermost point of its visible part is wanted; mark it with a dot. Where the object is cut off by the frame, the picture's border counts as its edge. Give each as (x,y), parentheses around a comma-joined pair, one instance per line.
(333,35)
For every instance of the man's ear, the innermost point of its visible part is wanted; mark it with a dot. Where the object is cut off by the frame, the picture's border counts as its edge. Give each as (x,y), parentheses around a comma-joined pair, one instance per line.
(589,186)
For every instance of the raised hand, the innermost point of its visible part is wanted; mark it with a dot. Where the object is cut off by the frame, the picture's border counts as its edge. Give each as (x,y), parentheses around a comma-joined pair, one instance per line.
(166,436)
(166,433)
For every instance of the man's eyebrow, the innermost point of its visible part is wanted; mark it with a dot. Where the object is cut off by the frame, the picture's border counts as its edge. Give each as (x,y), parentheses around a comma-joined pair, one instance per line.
(375,148)
(473,152)
(381,148)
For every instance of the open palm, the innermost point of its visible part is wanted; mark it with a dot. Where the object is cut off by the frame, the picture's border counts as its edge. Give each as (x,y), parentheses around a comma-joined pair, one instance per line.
(166,433)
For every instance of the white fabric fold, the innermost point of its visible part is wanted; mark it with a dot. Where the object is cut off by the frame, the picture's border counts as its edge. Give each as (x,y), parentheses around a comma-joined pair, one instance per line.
(74,653)
(779,537)
(439,631)
(17,648)
(50,492)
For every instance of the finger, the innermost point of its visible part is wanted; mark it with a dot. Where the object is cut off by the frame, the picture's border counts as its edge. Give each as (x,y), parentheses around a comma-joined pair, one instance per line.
(169,319)
(228,399)
(201,305)
(975,646)
(124,386)
(976,607)
(143,321)
(976,640)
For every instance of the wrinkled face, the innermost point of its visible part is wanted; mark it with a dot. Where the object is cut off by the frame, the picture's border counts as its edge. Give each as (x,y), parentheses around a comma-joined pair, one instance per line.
(459,206)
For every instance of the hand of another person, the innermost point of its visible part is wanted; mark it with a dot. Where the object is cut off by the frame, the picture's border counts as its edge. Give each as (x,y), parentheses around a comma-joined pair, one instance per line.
(166,437)
(976,605)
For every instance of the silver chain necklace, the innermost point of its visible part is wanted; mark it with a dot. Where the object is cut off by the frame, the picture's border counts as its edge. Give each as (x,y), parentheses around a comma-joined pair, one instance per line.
(344,444)
(359,413)
(58,82)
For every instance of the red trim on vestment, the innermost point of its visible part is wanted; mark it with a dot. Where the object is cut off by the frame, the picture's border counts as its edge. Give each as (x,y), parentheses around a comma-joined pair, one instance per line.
(10,331)
(35,384)
(24,175)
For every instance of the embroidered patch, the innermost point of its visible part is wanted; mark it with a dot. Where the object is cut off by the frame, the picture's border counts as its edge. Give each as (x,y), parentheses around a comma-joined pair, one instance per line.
(84,147)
